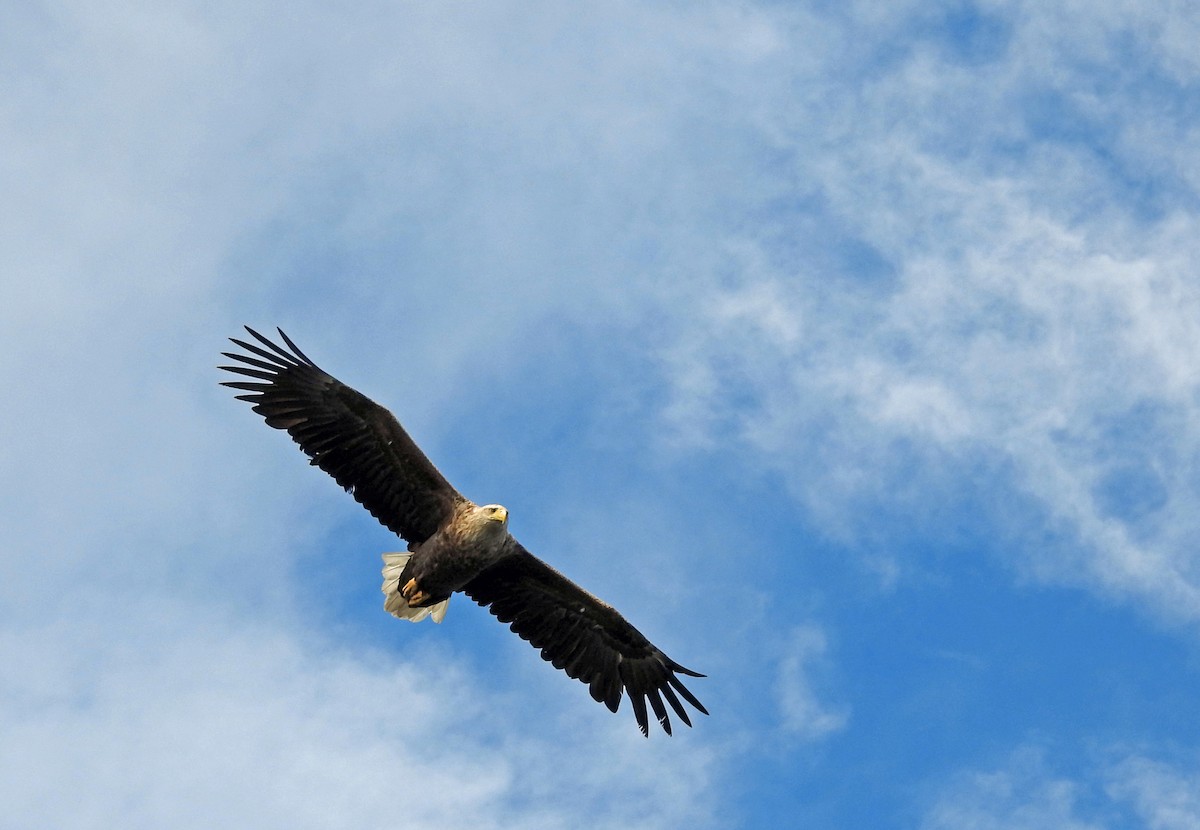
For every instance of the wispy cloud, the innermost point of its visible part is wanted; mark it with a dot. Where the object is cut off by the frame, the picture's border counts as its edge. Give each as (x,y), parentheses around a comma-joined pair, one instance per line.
(1165,796)
(171,715)
(1028,792)
(1010,309)
(1023,796)
(804,714)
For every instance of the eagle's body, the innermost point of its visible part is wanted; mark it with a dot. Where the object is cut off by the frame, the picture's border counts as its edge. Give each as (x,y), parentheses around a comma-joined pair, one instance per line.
(476,538)
(473,540)
(453,544)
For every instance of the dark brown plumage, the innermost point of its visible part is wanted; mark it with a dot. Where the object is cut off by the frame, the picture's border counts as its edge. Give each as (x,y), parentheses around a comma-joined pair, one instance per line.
(455,545)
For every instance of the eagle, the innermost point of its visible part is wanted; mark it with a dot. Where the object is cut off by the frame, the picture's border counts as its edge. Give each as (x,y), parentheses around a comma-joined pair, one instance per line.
(453,543)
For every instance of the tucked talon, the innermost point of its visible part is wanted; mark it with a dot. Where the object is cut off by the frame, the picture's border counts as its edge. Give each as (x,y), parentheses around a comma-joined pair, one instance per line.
(413,594)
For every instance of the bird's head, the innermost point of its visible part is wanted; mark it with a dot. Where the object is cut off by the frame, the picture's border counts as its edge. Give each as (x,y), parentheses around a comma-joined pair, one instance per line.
(493,516)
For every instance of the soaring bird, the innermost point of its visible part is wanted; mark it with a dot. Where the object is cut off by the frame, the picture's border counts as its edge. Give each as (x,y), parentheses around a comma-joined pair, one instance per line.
(453,543)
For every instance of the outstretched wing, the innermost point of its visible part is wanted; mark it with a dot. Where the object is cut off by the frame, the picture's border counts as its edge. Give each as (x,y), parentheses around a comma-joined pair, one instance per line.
(584,637)
(347,435)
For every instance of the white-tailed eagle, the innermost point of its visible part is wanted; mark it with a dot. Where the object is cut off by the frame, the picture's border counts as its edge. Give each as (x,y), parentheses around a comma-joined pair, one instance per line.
(454,544)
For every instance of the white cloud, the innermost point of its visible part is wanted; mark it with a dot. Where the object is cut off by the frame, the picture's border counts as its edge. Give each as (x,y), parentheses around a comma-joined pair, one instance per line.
(160,716)
(1164,796)
(1019,312)
(1023,796)
(804,715)
(1027,793)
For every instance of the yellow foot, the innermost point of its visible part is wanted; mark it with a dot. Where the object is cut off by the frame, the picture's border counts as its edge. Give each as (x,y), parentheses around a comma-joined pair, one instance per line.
(415,596)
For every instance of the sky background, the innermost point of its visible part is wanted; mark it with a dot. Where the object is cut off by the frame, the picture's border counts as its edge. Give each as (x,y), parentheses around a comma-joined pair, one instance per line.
(852,350)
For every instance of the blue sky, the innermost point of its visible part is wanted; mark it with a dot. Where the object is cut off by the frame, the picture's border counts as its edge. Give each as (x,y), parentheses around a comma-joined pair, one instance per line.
(851,350)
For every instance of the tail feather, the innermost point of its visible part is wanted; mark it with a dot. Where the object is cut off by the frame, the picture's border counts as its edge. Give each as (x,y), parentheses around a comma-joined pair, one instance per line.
(397,605)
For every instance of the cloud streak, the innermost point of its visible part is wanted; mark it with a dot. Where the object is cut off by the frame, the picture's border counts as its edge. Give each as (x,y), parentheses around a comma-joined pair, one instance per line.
(1129,790)
(803,713)
(1010,312)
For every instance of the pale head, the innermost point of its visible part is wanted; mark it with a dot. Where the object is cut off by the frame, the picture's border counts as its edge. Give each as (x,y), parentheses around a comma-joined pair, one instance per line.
(490,519)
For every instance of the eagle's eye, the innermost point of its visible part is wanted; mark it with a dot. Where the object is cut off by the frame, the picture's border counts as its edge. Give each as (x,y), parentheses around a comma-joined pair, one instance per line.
(496,512)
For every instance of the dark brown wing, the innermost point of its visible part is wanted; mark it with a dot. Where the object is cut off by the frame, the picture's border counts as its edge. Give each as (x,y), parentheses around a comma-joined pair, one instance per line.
(584,637)
(347,435)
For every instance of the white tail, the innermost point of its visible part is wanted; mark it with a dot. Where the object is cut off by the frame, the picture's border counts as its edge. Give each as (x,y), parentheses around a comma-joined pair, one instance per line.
(394,603)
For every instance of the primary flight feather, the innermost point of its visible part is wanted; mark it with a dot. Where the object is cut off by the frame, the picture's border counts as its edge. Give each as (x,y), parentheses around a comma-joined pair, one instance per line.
(454,544)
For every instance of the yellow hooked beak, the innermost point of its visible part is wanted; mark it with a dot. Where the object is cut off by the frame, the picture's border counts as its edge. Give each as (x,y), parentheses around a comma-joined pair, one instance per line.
(499,514)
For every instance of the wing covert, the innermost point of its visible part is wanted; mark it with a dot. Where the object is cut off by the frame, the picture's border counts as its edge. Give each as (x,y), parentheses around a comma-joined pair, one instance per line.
(346,434)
